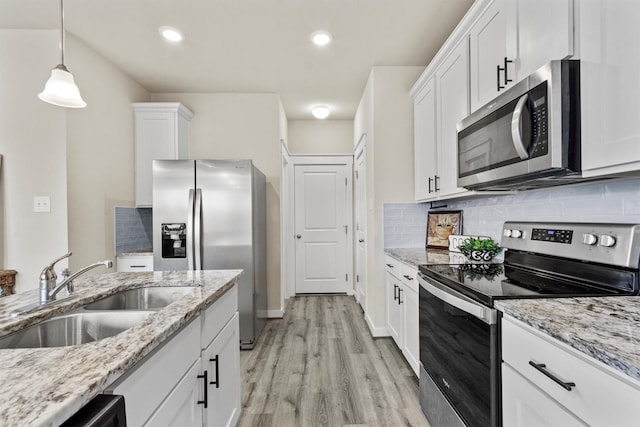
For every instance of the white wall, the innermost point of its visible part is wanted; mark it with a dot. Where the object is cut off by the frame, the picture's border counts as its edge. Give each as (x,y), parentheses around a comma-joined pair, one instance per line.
(100,153)
(32,141)
(385,114)
(82,159)
(242,126)
(320,137)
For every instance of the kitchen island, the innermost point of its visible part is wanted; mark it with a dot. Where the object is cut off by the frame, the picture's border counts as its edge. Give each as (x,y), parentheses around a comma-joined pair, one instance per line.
(45,386)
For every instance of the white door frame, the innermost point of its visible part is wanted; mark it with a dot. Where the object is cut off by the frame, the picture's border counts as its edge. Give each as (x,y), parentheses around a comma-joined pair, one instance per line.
(287,249)
(361,276)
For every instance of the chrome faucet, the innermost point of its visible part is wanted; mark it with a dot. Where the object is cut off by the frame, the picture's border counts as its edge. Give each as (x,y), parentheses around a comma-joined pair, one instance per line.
(48,279)
(48,287)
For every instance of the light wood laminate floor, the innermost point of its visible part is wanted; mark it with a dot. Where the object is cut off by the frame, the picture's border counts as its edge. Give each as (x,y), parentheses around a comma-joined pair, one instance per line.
(319,366)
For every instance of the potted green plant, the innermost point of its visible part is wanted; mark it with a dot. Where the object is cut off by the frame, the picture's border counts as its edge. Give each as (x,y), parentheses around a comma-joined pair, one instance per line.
(479,249)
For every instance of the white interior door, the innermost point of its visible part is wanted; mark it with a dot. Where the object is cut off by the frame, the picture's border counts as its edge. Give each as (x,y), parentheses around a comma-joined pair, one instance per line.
(322,222)
(361,222)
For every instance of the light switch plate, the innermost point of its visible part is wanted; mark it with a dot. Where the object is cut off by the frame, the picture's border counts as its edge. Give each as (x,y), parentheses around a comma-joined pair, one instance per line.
(42,204)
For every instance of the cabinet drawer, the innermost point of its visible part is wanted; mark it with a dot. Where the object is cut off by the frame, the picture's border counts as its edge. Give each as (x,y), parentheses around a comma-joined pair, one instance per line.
(216,316)
(392,265)
(134,263)
(600,395)
(409,276)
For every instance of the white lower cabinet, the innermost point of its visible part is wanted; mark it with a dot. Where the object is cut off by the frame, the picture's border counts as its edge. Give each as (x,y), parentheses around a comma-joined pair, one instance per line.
(564,388)
(181,407)
(402,309)
(194,378)
(221,359)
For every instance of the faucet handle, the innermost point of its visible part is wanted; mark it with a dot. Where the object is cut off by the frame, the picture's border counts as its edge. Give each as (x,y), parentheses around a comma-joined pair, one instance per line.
(48,272)
(64,275)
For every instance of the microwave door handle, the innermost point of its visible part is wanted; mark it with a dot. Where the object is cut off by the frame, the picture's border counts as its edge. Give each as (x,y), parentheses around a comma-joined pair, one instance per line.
(197,230)
(516,135)
(190,235)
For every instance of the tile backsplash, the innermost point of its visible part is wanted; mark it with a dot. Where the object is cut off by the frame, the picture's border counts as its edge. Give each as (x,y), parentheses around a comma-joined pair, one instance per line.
(133,229)
(617,201)
(603,202)
(405,225)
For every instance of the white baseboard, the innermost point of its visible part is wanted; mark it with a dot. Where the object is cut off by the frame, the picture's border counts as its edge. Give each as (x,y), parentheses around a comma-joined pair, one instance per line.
(275,314)
(375,332)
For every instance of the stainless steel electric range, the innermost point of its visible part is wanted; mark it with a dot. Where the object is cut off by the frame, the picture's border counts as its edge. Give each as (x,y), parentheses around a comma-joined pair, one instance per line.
(460,329)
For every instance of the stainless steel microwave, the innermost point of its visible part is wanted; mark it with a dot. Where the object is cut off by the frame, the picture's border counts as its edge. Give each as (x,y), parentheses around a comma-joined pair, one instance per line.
(528,137)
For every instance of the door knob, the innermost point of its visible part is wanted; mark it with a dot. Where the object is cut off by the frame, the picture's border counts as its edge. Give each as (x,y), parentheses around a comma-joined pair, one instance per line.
(361,240)
(298,236)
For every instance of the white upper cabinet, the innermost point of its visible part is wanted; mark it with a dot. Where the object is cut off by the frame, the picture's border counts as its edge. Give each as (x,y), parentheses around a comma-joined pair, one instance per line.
(541,31)
(452,105)
(610,85)
(424,118)
(487,53)
(161,133)
(513,38)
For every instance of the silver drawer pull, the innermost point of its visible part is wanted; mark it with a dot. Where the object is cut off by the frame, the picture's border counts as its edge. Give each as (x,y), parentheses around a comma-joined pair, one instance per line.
(542,368)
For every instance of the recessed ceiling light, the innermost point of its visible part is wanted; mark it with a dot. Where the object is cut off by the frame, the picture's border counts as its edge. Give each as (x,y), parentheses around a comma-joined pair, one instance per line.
(321,38)
(320,111)
(171,34)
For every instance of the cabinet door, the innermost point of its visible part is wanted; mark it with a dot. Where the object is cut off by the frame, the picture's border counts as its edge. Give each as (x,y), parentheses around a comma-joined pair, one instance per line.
(424,143)
(181,407)
(544,33)
(525,405)
(411,322)
(610,87)
(221,360)
(394,312)
(488,49)
(452,94)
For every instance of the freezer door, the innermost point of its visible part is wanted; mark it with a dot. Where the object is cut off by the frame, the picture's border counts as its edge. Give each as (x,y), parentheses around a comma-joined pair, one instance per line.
(173,196)
(226,223)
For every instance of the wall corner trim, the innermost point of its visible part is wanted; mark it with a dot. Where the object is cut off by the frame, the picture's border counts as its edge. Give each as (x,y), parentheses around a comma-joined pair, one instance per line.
(376,332)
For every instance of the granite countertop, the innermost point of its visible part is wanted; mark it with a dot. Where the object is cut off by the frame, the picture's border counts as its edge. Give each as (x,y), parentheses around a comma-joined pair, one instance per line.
(141,252)
(607,329)
(416,256)
(45,386)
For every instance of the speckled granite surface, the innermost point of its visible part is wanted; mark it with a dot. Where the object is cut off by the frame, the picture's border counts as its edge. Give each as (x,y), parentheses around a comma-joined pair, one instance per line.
(43,387)
(416,256)
(607,329)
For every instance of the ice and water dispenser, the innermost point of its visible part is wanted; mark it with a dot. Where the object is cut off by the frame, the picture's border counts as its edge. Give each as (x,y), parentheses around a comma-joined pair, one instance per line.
(174,240)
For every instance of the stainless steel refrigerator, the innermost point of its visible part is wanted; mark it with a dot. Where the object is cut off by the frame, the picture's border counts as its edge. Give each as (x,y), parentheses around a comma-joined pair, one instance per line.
(211,215)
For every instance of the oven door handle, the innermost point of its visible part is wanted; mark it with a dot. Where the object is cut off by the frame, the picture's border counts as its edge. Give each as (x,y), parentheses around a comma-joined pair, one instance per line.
(444,293)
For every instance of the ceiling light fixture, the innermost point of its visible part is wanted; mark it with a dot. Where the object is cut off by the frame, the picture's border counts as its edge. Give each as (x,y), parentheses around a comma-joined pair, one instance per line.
(321,38)
(320,111)
(61,89)
(171,34)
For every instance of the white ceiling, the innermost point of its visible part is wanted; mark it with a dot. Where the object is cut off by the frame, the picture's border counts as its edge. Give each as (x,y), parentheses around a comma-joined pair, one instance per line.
(253,46)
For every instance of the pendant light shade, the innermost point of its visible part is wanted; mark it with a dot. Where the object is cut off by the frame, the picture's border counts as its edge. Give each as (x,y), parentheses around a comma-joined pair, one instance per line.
(61,89)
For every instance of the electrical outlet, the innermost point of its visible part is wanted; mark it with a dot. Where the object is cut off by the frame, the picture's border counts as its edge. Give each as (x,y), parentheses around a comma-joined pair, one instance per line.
(42,204)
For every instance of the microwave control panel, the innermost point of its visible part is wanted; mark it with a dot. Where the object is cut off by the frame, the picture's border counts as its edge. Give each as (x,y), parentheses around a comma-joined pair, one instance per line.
(539,121)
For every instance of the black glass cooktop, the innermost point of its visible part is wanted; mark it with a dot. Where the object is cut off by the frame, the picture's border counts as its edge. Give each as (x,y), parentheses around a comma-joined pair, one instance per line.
(535,278)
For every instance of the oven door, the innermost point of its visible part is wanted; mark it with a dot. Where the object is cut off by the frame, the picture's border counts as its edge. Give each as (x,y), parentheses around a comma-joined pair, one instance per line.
(459,352)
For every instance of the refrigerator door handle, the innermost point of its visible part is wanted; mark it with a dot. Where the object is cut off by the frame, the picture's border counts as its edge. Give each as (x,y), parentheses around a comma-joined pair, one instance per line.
(197,230)
(190,265)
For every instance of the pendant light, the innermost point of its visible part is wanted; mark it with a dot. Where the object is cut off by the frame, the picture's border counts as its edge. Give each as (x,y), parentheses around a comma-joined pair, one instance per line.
(60,89)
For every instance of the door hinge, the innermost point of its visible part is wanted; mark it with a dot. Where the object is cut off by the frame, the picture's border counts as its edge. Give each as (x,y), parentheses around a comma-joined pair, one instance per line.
(345,181)
(346,229)
(356,174)
(357,278)
(346,277)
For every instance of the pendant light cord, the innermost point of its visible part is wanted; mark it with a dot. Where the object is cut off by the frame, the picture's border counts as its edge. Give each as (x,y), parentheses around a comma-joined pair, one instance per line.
(62,32)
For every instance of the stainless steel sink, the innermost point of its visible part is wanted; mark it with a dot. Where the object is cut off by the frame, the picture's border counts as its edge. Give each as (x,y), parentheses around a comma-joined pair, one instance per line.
(73,328)
(149,298)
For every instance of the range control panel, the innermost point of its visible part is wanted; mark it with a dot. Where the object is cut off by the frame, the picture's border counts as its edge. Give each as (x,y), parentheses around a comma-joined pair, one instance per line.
(617,244)
(551,235)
